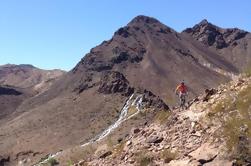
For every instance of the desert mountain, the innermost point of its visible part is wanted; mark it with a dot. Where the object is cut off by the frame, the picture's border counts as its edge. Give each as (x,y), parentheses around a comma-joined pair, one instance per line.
(232,44)
(146,48)
(142,62)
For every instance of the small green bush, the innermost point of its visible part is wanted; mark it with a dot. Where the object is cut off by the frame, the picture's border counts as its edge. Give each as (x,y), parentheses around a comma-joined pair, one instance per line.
(70,163)
(51,162)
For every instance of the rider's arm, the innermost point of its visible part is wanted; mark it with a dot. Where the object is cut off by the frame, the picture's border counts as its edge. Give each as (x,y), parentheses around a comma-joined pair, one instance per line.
(177,88)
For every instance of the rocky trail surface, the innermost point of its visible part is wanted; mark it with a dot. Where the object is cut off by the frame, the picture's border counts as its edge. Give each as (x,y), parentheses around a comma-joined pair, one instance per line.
(196,136)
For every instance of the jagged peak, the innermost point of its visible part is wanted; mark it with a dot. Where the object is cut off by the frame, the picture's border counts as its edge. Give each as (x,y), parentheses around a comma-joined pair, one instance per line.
(204,22)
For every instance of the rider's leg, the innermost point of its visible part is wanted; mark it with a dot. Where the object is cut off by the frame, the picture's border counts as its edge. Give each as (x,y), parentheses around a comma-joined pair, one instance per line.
(182,101)
(180,97)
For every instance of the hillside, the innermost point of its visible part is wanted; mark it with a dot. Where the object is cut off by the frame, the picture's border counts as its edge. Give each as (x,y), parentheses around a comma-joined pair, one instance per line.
(145,58)
(214,130)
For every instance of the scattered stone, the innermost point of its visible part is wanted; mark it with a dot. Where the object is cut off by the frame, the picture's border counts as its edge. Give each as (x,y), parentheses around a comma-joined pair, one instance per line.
(105,154)
(120,140)
(4,160)
(135,130)
(128,143)
(197,134)
(131,161)
(155,139)
(209,93)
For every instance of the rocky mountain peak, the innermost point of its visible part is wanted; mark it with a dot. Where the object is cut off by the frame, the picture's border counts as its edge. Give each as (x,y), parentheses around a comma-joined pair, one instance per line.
(204,22)
(143,19)
(212,35)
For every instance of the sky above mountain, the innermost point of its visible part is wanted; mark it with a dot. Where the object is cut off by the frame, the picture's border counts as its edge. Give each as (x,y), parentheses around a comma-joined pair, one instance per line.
(57,34)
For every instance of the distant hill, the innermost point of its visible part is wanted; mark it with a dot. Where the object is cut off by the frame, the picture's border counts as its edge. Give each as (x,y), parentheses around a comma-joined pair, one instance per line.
(28,76)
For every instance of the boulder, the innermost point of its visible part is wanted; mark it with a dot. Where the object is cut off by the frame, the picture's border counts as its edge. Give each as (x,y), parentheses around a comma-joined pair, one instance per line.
(135,130)
(155,139)
(208,94)
(219,163)
(4,160)
(105,154)
(102,151)
(205,153)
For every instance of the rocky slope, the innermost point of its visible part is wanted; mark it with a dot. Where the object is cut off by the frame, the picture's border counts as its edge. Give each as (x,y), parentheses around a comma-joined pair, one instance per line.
(144,57)
(214,130)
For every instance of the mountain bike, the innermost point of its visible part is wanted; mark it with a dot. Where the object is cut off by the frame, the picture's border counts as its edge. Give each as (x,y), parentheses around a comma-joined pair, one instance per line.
(182,98)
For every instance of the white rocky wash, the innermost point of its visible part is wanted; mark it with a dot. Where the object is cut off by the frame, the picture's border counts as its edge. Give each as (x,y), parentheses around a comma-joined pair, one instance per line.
(220,71)
(132,101)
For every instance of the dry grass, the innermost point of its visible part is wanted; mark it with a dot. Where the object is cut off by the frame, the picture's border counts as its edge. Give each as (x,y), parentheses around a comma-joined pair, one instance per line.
(247,71)
(168,155)
(132,110)
(162,116)
(75,154)
(143,159)
(118,149)
(236,126)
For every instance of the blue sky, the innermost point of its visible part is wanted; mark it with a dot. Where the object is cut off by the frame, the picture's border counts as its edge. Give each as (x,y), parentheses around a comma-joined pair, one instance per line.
(58,33)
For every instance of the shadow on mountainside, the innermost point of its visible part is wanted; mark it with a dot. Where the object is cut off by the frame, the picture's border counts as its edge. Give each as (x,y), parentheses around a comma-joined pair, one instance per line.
(9,91)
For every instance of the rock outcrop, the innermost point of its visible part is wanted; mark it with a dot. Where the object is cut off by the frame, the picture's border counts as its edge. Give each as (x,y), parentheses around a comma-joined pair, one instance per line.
(212,35)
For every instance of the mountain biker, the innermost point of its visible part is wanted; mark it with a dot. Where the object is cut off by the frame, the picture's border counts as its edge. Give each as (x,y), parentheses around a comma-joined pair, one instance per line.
(181,90)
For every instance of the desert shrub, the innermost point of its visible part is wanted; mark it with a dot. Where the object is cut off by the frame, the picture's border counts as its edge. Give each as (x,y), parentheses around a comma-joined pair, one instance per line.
(143,159)
(51,162)
(109,142)
(236,132)
(118,149)
(220,108)
(70,163)
(236,124)
(168,155)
